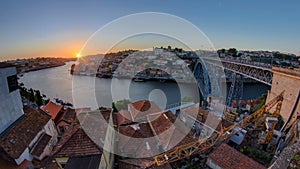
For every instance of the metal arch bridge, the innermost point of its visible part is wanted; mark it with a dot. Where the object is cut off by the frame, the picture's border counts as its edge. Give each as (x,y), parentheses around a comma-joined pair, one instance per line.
(204,72)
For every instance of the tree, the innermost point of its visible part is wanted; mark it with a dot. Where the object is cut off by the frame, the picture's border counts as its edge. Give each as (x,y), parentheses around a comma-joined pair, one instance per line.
(169,48)
(232,51)
(120,105)
(31,95)
(38,98)
(113,105)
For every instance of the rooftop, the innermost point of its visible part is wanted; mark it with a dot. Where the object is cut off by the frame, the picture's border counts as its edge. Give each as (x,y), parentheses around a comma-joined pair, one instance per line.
(40,145)
(18,137)
(75,142)
(69,115)
(227,158)
(140,109)
(7,165)
(53,109)
(169,135)
(122,117)
(83,162)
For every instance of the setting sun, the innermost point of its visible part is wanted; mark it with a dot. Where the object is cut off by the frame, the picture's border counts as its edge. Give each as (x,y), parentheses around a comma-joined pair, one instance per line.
(78,55)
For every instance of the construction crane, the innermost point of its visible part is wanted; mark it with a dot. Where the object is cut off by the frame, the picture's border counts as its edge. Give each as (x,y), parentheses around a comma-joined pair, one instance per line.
(202,146)
(270,132)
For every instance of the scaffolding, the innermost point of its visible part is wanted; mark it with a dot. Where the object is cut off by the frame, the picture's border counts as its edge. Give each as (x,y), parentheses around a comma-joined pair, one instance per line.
(204,145)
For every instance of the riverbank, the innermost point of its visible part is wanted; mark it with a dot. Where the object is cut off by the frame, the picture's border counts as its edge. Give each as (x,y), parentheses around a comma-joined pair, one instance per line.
(41,68)
(34,64)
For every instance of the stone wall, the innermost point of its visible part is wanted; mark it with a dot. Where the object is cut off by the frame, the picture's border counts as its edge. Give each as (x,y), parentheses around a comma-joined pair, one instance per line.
(288,80)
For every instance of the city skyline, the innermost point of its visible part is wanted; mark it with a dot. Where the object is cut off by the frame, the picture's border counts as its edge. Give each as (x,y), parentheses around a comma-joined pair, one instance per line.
(60,29)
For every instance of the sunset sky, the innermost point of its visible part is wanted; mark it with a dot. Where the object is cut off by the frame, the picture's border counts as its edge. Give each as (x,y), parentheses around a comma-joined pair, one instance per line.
(60,28)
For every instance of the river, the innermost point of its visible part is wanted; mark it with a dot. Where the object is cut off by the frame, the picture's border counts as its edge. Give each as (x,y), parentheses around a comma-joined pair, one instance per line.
(86,91)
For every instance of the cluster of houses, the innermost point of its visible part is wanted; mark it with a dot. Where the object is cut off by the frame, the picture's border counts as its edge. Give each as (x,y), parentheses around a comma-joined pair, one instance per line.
(56,137)
(126,64)
(26,65)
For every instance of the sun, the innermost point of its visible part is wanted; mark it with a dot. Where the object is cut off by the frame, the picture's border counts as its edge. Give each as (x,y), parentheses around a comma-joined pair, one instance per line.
(78,55)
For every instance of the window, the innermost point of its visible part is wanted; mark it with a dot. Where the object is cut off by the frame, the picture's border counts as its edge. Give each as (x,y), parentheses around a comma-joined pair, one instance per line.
(62,130)
(12,83)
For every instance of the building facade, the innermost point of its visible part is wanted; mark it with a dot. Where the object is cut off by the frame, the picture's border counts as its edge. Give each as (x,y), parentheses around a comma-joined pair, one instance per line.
(10,100)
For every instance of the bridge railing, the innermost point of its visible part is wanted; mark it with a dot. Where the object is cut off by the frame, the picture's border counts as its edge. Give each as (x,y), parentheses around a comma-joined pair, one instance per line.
(259,64)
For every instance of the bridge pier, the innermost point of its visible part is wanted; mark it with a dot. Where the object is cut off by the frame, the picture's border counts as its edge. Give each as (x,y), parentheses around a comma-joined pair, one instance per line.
(288,80)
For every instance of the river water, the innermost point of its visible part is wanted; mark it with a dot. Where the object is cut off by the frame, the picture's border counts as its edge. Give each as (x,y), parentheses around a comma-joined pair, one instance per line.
(86,91)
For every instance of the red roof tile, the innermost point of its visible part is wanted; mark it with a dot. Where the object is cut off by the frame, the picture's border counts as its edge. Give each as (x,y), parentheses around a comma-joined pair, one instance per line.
(53,109)
(142,105)
(172,133)
(75,142)
(6,165)
(227,158)
(122,117)
(168,135)
(139,110)
(41,145)
(17,138)
(68,116)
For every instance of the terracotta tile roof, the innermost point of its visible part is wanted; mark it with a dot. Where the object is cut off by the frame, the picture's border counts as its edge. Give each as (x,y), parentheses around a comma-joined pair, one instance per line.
(47,163)
(95,125)
(193,110)
(7,165)
(202,116)
(173,135)
(147,163)
(68,116)
(142,105)
(83,162)
(122,117)
(227,158)
(27,109)
(18,137)
(130,142)
(75,142)
(40,145)
(106,114)
(53,109)
(139,110)
(161,123)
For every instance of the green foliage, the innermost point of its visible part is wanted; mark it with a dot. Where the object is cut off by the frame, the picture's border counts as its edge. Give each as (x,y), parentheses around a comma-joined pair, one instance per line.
(205,103)
(262,99)
(283,56)
(102,108)
(187,99)
(120,105)
(232,51)
(296,158)
(280,123)
(31,95)
(258,155)
(38,98)
(239,111)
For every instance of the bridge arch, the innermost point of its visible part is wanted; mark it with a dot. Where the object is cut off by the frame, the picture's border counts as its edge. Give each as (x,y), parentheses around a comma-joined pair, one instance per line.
(202,78)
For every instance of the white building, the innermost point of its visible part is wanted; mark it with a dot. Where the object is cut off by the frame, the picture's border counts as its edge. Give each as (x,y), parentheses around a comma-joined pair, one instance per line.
(23,136)
(10,100)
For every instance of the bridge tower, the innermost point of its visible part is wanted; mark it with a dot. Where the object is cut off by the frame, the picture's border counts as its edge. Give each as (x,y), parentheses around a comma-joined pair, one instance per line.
(288,80)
